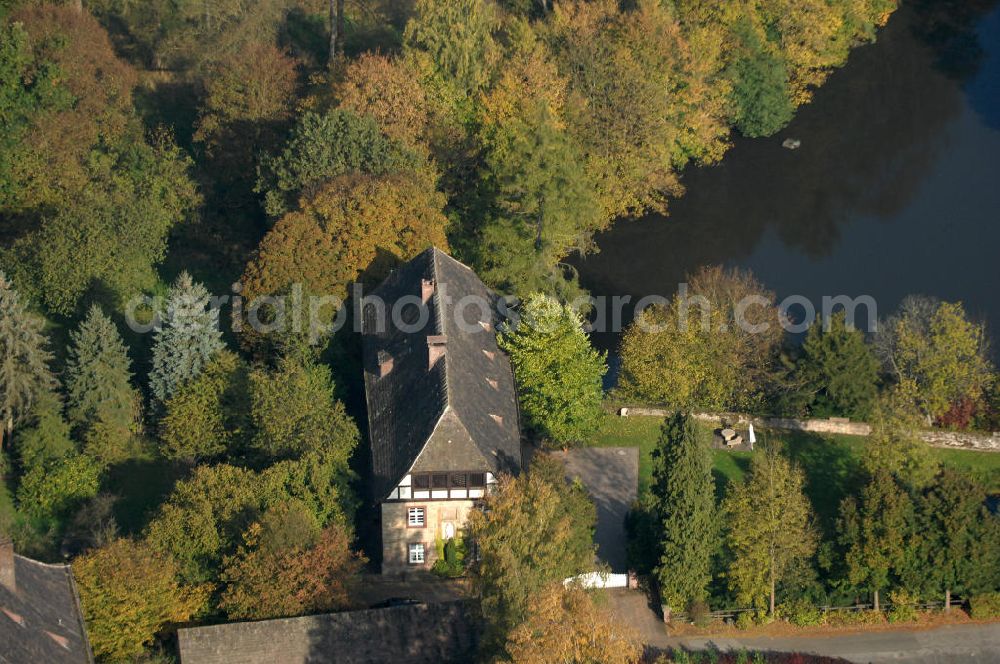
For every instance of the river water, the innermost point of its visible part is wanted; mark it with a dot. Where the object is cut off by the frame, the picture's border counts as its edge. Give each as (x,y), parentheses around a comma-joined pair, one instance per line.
(894,190)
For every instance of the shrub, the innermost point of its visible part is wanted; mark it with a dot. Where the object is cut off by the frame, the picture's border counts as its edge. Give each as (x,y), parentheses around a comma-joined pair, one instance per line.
(863,617)
(802,613)
(744,620)
(903,607)
(698,613)
(451,558)
(984,606)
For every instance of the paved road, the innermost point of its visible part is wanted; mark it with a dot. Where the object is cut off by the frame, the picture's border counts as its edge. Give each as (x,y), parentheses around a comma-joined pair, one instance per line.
(941,645)
(611,475)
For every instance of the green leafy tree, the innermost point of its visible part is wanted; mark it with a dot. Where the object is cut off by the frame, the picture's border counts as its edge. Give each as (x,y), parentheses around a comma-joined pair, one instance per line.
(683,494)
(53,489)
(894,444)
(839,368)
(46,438)
(294,411)
(248,103)
(458,36)
(877,533)
(558,372)
(206,514)
(323,146)
(706,349)
(533,531)
(761,94)
(110,236)
(27,86)
(769,527)
(128,594)
(207,415)
(545,203)
(24,371)
(187,338)
(102,403)
(934,346)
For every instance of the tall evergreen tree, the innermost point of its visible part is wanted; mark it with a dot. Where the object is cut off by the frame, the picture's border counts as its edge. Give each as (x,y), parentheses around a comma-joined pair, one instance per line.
(684,499)
(558,372)
(958,549)
(877,533)
(187,338)
(102,403)
(839,368)
(770,526)
(24,370)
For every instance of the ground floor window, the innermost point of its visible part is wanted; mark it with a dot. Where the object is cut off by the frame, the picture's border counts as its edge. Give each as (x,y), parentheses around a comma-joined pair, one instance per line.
(416,554)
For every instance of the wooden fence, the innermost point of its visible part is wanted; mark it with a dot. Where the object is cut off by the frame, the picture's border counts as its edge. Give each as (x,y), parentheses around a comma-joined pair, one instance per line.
(732,614)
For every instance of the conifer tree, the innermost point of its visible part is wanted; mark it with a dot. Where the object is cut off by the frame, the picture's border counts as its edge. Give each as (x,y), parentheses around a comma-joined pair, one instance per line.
(187,338)
(840,368)
(684,501)
(24,371)
(102,402)
(958,550)
(877,533)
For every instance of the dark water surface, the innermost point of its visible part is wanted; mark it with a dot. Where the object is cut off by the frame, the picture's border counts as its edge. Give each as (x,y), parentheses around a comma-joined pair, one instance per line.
(894,190)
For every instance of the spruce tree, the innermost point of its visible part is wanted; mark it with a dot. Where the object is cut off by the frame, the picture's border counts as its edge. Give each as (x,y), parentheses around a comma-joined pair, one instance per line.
(102,403)
(840,368)
(186,339)
(958,549)
(24,370)
(684,502)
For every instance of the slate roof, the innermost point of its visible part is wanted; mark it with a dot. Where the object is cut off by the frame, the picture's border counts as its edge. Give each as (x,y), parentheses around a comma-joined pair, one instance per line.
(440,633)
(472,381)
(41,621)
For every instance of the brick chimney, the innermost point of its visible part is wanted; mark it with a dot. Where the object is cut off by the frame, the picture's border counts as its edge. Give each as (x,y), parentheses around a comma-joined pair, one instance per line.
(436,346)
(7,579)
(384,363)
(426,290)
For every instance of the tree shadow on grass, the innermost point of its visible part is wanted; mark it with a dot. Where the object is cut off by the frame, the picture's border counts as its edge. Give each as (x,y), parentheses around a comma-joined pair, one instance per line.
(722,479)
(832,469)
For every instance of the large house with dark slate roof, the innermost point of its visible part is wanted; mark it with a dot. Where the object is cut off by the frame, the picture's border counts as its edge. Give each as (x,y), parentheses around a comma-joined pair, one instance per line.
(442,408)
(40,618)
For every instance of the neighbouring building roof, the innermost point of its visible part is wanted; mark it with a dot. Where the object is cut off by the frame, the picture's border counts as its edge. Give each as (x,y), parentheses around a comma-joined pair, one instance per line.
(439,633)
(440,397)
(40,619)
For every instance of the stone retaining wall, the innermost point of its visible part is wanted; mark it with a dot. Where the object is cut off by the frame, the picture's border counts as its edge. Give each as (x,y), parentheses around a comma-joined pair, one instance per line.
(967,440)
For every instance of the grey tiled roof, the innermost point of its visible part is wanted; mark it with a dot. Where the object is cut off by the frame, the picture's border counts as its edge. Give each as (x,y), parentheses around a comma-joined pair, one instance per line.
(442,633)
(469,393)
(41,621)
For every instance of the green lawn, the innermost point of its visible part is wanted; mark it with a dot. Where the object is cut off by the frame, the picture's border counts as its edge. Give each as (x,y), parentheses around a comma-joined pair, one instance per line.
(832,463)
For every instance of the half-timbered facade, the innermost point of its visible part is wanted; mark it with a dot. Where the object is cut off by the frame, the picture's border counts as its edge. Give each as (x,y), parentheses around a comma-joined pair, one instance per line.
(442,409)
